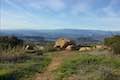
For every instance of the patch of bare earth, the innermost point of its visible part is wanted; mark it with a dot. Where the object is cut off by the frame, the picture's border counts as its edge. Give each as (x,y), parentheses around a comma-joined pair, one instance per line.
(56,62)
(73,77)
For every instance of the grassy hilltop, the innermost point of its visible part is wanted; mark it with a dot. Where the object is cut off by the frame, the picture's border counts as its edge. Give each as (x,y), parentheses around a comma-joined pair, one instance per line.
(19,63)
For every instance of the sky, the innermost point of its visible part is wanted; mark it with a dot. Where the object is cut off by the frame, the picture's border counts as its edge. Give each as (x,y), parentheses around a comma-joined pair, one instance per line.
(60,14)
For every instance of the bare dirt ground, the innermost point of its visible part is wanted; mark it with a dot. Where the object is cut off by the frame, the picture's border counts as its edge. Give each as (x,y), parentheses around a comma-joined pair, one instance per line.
(56,62)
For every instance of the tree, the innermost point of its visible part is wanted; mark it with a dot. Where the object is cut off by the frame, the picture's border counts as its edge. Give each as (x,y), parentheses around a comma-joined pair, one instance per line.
(116,47)
(114,43)
(111,40)
(9,41)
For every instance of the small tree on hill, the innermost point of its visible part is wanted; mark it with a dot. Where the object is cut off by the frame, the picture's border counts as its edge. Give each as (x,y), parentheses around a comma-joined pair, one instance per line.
(111,40)
(114,43)
(116,47)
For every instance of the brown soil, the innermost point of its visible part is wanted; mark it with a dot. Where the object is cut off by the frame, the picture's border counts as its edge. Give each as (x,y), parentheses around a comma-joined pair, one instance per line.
(56,62)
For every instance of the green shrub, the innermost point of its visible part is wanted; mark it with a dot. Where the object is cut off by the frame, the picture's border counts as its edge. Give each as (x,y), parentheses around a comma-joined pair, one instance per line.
(114,43)
(116,47)
(109,41)
(49,47)
(82,65)
(24,70)
(9,42)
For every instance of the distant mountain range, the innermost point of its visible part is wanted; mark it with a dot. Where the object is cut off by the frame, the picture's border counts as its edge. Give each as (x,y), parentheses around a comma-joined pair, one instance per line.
(54,34)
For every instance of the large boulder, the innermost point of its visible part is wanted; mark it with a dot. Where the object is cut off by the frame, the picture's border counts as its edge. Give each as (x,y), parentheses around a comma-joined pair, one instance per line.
(29,47)
(38,47)
(85,49)
(70,47)
(82,49)
(99,46)
(62,43)
(34,49)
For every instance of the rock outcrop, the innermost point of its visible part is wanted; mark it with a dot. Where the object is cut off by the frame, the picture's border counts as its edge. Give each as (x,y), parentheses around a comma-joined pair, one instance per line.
(70,47)
(63,43)
(85,49)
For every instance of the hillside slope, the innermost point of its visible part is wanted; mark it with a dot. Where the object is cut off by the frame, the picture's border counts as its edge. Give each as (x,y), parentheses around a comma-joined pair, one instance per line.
(53,34)
(96,65)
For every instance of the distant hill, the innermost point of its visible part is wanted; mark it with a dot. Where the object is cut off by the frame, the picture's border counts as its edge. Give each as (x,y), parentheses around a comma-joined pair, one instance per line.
(53,34)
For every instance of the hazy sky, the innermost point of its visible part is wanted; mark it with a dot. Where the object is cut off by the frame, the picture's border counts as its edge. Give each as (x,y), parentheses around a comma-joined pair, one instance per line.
(59,14)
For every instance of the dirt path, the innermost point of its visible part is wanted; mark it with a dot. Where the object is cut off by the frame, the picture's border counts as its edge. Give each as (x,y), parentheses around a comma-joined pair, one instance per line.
(56,62)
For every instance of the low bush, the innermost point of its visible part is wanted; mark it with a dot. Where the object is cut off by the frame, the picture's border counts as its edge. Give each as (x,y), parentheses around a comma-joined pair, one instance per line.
(109,41)
(97,67)
(114,43)
(116,47)
(9,42)
(48,47)
(24,70)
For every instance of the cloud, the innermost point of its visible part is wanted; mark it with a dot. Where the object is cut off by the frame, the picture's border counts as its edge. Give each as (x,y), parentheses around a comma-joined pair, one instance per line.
(13,7)
(61,13)
(112,9)
(81,7)
(74,7)
(54,5)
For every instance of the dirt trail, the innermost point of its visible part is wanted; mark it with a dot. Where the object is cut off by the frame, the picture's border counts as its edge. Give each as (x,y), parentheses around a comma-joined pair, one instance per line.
(56,62)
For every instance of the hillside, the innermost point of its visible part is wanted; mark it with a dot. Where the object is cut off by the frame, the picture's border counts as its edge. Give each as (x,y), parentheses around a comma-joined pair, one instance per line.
(54,34)
(94,65)
(59,60)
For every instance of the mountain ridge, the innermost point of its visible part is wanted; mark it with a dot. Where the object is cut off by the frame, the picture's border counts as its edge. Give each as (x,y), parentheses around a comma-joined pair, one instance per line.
(53,34)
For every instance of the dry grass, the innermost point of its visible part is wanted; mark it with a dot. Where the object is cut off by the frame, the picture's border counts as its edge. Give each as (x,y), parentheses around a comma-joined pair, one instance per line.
(89,67)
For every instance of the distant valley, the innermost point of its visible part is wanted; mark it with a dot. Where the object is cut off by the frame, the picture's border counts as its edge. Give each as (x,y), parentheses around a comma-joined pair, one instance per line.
(54,34)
